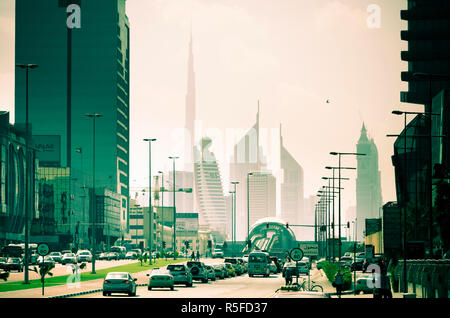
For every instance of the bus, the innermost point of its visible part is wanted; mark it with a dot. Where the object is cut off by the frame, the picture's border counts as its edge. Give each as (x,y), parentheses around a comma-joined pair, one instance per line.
(121,250)
(259,264)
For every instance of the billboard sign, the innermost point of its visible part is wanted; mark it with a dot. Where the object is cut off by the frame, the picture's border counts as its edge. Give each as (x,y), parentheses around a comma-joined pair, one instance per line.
(48,149)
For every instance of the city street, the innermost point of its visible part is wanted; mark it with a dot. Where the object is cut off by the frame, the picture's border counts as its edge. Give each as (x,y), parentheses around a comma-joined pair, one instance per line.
(235,287)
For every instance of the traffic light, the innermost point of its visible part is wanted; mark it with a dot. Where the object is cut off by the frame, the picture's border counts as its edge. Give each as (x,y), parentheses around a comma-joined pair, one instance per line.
(267,225)
(187,244)
(348,225)
(209,244)
(164,244)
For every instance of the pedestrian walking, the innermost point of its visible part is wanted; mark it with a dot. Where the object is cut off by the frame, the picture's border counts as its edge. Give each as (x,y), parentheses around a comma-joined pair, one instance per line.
(198,256)
(192,256)
(338,283)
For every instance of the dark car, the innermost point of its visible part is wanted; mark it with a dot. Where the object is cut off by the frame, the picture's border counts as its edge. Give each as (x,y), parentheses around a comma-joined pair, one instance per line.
(181,274)
(220,271)
(357,265)
(198,271)
(13,264)
(236,264)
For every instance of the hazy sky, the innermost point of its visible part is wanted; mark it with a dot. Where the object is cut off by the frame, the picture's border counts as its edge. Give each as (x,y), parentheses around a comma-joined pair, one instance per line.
(292,55)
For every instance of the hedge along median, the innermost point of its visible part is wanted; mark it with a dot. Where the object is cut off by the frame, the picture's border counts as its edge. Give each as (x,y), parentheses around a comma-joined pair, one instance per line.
(331,270)
(86,276)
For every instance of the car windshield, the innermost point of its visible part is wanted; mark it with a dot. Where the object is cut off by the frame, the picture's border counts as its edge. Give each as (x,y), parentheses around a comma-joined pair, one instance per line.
(84,253)
(117,275)
(176,268)
(231,260)
(257,258)
(190,264)
(69,255)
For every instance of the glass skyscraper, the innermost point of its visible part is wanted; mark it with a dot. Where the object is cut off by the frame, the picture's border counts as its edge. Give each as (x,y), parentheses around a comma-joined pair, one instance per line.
(82,49)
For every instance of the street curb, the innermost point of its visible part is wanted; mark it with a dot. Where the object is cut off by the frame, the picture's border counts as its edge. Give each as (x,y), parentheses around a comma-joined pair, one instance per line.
(87,292)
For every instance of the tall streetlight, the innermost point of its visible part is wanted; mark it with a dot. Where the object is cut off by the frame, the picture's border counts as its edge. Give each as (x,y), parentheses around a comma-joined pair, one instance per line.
(28,202)
(339,154)
(94,116)
(235,183)
(150,210)
(248,209)
(162,210)
(174,210)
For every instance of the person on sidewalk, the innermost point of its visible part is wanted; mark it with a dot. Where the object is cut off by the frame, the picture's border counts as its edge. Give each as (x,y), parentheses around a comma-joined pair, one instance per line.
(338,283)
(192,256)
(198,256)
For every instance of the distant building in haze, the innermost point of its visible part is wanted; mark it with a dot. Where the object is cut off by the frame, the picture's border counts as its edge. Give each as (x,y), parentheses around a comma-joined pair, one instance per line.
(368,185)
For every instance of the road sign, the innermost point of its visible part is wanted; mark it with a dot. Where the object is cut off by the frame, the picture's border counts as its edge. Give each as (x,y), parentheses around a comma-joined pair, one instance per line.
(309,249)
(296,254)
(42,249)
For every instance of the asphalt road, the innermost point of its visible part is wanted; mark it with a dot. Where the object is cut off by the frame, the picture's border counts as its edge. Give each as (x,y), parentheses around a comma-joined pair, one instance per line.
(61,270)
(235,287)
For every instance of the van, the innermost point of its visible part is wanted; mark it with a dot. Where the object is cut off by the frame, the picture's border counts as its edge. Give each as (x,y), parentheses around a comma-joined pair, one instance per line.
(259,264)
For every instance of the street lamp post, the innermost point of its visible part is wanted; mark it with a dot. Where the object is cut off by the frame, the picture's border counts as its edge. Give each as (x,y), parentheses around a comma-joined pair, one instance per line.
(174,210)
(150,210)
(28,202)
(235,183)
(94,201)
(162,210)
(339,154)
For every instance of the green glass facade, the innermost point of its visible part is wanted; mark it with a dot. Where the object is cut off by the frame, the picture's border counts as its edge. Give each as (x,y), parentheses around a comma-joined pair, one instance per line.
(81,70)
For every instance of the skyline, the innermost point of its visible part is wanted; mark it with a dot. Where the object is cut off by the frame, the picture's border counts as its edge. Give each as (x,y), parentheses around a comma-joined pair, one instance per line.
(262,54)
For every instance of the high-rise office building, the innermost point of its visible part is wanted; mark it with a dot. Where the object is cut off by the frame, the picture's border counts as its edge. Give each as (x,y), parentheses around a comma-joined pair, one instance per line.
(428,78)
(262,196)
(247,157)
(211,200)
(368,186)
(292,209)
(82,49)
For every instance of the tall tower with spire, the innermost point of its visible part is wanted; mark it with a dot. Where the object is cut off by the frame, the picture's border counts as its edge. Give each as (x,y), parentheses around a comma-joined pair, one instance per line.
(190,111)
(368,185)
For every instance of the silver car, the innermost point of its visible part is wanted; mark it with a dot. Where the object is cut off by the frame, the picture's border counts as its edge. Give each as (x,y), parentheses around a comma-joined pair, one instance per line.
(119,282)
(69,258)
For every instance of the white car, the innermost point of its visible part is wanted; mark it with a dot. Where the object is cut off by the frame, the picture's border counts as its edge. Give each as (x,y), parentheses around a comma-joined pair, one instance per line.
(131,255)
(69,258)
(84,256)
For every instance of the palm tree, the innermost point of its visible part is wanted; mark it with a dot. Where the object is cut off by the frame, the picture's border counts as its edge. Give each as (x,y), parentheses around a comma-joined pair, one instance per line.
(44,270)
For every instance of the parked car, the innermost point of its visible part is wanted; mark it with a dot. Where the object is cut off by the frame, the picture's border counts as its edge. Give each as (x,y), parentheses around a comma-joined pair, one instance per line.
(198,270)
(365,284)
(131,255)
(3,260)
(346,261)
(119,282)
(357,265)
(160,278)
(56,256)
(236,264)
(13,264)
(69,258)
(231,270)
(84,256)
(220,271)
(113,256)
(181,274)
(138,251)
(103,256)
(46,260)
(211,273)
